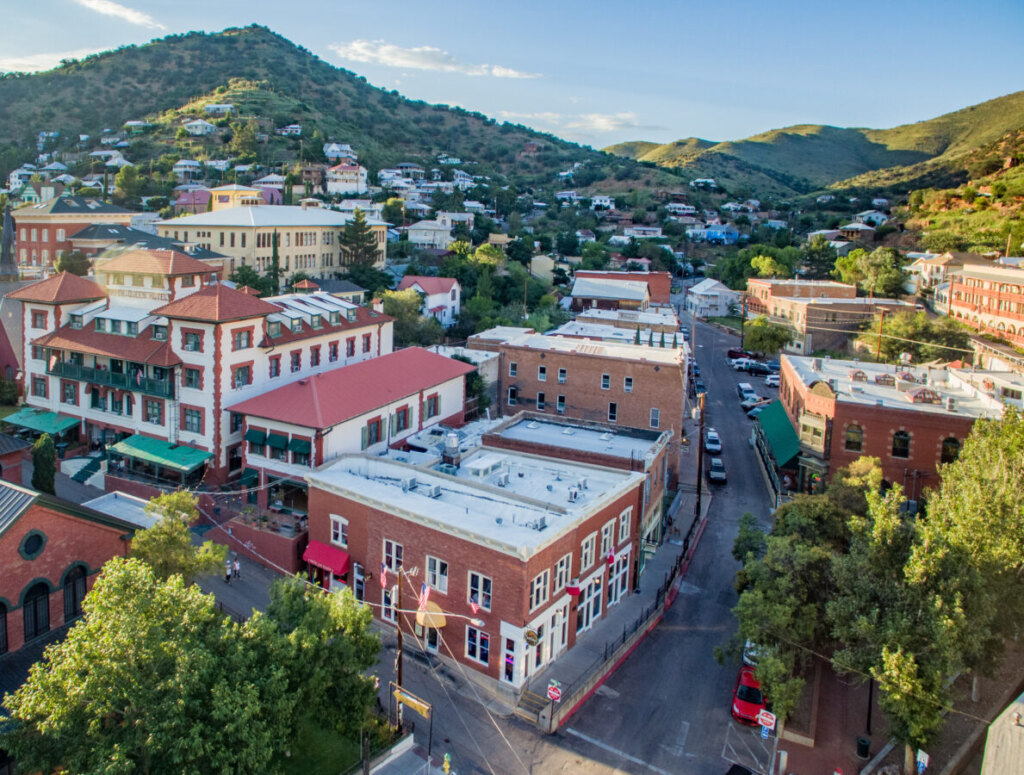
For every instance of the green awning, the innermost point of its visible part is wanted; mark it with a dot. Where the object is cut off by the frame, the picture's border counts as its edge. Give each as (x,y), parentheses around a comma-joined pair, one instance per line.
(779,433)
(162,453)
(41,421)
(249,477)
(300,445)
(277,441)
(255,437)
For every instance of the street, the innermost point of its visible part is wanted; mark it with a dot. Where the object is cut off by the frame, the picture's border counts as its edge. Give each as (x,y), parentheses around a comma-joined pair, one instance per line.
(666,709)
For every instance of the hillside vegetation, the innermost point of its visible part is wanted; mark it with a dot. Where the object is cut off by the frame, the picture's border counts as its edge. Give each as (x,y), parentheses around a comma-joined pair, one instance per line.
(806,158)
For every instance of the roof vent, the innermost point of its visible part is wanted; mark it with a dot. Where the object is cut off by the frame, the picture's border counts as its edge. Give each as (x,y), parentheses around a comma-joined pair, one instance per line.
(951,403)
(816,364)
(503,479)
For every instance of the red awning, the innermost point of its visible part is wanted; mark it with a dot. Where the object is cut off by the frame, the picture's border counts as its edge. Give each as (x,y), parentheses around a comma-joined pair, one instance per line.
(326,557)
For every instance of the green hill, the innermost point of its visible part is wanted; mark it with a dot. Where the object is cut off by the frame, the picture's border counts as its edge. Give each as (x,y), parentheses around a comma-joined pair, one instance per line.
(273,82)
(805,158)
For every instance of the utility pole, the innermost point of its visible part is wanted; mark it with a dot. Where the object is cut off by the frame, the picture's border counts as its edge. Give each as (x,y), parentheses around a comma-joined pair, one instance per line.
(881,319)
(398,649)
(743,318)
(700,474)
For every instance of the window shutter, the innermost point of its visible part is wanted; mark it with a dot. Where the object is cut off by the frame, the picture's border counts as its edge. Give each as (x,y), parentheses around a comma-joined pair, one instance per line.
(365,437)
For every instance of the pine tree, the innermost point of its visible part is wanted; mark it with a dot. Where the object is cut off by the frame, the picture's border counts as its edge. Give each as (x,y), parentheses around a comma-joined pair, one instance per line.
(358,243)
(44,464)
(274,273)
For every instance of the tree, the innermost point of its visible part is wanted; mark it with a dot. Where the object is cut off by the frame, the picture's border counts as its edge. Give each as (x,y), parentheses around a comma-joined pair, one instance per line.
(751,539)
(394,212)
(819,257)
(358,242)
(595,255)
(410,327)
(763,336)
(44,464)
(245,275)
(520,251)
(878,272)
(491,255)
(567,244)
(924,338)
(274,272)
(128,183)
(167,545)
(368,277)
(766,266)
(150,679)
(73,261)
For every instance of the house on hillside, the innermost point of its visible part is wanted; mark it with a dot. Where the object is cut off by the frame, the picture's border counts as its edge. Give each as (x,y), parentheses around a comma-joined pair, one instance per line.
(219,108)
(871,217)
(199,128)
(187,169)
(857,232)
(442,297)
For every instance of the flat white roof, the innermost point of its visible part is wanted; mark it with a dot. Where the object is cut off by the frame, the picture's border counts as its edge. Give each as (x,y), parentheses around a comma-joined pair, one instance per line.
(123,506)
(662,316)
(600,288)
(513,503)
(631,352)
(606,333)
(266,216)
(475,356)
(626,443)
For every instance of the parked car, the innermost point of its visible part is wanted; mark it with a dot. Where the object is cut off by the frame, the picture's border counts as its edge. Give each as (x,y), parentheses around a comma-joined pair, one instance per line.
(757,368)
(751,653)
(750,403)
(712,441)
(716,472)
(737,353)
(745,390)
(747,699)
(772,380)
(741,364)
(773,365)
(696,370)
(736,769)
(698,386)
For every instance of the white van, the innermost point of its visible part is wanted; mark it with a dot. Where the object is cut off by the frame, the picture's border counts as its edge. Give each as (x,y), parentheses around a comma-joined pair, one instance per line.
(745,391)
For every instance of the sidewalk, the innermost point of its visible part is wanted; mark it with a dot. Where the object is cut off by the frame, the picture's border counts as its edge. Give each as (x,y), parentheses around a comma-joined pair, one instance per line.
(65,487)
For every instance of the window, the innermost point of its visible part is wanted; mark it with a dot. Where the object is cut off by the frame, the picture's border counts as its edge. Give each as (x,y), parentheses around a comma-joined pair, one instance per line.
(131,328)
(627,384)
(100,324)
(192,378)
(332,352)
(608,538)
(542,373)
(513,369)
(613,412)
(562,376)
(606,381)
(350,347)
(97,401)
(115,326)
(367,343)
(433,406)
(339,530)
(478,645)
(275,366)
(76,321)
(154,412)
(901,444)
(513,395)
(257,449)
(38,320)
(437,574)
(950,450)
(296,326)
(188,281)
(540,588)
(587,551)
(300,458)
(387,607)
(480,590)
(316,321)
(116,404)
(392,555)
(192,342)
(69,393)
(242,340)
(314,356)
(38,353)
(74,591)
(335,317)
(236,422)
(371,434)
(625,520)
(560,405)
(39,386)
(194,420)
(242,377)
(655,417)
(562,570)
(36,611)
(540,402)
(402,419)
(854,438)
(274,328)
(159,333)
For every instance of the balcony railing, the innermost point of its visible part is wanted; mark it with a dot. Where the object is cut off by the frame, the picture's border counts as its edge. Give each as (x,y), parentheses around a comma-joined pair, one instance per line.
(163,388)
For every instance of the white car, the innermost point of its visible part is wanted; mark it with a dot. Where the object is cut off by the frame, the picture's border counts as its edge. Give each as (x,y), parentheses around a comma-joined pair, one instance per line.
(712,441)
(772,380)
(741,364)
(750,403)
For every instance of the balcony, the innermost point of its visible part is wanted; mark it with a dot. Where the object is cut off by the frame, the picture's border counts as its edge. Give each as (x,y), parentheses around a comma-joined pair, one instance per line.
(164,388)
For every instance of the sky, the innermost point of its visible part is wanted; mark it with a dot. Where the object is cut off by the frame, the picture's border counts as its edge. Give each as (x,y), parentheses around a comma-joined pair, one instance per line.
(601,72)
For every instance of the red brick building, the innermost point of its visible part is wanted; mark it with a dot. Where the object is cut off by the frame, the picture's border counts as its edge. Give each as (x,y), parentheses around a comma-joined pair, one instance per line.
(762,290)
(911,419)
(42,231)
(535,546)
(12,451)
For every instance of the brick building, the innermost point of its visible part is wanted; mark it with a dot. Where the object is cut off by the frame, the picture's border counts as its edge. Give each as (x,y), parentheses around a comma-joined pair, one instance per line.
(827,323)
(912,419)
(762,290)
(535,546)
(43,231)
(658,283)
(989,299)
(635,386)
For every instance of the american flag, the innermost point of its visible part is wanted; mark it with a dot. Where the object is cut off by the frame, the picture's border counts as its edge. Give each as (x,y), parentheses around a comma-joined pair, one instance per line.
(424,596)
(384,574)
(474,607)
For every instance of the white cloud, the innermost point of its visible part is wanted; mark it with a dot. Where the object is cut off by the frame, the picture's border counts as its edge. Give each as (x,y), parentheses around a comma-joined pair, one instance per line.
(603,122)
(123,12)
(30,63)
(549,118)
(378,52)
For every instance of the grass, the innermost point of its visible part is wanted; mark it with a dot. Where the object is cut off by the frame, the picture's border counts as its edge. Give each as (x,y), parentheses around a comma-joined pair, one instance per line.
(8,410)
(318,750)
(735,322)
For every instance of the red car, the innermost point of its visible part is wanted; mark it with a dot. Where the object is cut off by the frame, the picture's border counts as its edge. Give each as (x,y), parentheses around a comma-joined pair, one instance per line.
(747,700)
(735,353)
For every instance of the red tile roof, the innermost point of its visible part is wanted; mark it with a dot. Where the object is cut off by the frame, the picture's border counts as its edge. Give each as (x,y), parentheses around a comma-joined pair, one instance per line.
(170,263)
(307,284)
(247,289)
(60,289)
(430,285)
(216,303)
(330,398)
(131,348)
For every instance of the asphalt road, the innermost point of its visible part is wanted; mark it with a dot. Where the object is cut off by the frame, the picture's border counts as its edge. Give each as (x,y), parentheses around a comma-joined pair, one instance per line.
(666,710)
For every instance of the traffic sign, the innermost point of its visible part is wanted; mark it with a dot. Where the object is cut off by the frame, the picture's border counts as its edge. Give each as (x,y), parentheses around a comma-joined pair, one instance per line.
(766,719)
(554,693)
(764,733)
(922,760)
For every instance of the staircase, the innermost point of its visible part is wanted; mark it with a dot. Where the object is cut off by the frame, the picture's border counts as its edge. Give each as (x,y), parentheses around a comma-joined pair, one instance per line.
(90,468)
(530,705)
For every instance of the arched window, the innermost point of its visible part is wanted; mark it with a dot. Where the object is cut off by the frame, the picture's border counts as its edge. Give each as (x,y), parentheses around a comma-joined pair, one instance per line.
(854,438)
(950,450)
(37,611)
(901,444)
(3,629)
(74,591)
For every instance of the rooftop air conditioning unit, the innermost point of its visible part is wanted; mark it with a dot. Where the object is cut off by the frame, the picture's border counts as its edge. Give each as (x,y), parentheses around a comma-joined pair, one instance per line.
(950,403)
(816,364)
(408,483)
(541,523)
(503,479)
(432,490)
(834,385)
(583,482)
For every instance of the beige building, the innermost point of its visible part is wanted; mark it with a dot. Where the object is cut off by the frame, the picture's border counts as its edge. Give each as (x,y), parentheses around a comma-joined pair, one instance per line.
(308,237)
(827,324)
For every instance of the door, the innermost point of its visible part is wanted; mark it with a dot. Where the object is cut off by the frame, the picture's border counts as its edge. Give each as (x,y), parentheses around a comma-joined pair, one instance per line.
(432,639)
(359,581)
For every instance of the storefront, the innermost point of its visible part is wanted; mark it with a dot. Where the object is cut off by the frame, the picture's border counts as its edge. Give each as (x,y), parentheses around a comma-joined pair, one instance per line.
(158,461)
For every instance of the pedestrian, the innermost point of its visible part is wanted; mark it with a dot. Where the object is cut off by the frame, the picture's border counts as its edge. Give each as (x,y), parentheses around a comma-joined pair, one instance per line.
(236,568)
(227,571)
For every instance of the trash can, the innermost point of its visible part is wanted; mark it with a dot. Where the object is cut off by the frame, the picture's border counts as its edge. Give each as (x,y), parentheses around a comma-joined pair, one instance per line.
(863,747)
(62,449)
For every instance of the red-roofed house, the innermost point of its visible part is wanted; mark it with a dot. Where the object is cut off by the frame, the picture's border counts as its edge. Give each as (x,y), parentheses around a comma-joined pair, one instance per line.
(659,283)
(442,296)
(148,364)
(363,407)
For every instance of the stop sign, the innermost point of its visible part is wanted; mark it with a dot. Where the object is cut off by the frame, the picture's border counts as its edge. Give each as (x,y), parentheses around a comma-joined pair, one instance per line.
(554,693)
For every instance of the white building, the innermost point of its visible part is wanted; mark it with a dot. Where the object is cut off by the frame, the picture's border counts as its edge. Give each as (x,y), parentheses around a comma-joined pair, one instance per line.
(442,296)
(199,128)
(710,298)
(187,169)
(346,178)
(430,234)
